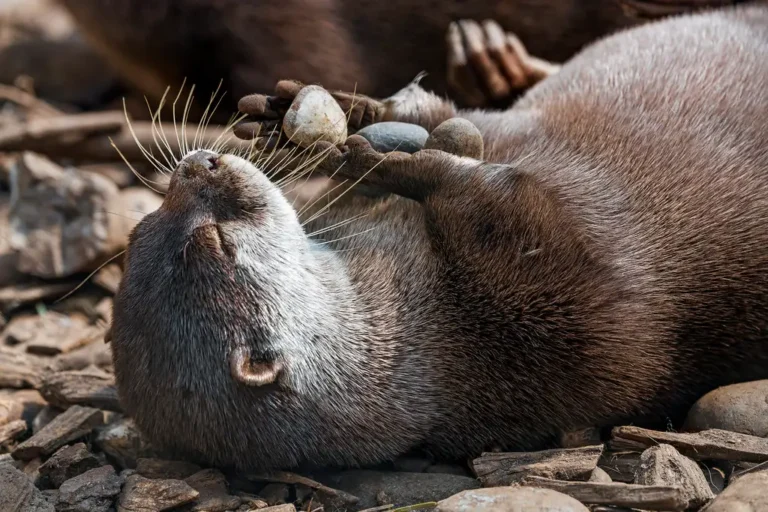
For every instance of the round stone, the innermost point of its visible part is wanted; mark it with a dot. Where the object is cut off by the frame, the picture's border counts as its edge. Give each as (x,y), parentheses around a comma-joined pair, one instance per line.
(457,136)
(510,499)
(315,116)
(739,408)
(395,136)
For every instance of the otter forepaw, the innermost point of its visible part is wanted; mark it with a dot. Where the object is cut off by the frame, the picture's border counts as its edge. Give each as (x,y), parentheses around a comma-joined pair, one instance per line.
(265,114)
(487,66)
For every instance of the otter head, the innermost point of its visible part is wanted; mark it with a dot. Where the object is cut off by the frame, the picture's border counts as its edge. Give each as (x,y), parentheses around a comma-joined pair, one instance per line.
(221,296)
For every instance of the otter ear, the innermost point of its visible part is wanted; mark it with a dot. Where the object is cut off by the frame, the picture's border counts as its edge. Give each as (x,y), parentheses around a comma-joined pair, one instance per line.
(251,373)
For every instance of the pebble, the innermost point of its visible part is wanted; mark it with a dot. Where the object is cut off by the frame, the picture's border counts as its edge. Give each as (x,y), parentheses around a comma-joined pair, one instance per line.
(457,136)
(739,408)
(315,116)
(748,493)
(395,136)
(663,465)
(510,499)
(599,475)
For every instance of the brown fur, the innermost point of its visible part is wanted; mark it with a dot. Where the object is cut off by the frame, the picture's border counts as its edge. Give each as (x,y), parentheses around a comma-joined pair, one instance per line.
(606,263)
(374,45)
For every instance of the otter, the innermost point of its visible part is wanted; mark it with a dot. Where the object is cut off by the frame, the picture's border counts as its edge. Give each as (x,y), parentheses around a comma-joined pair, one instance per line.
(376,46)
(604,261)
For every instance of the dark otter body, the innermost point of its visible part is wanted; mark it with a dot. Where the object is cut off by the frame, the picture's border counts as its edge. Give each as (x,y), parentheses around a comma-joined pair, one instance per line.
(607,262)
(378,46)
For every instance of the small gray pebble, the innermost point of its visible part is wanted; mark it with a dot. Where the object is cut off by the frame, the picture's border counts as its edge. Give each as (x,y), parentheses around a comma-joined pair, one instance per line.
(395,136)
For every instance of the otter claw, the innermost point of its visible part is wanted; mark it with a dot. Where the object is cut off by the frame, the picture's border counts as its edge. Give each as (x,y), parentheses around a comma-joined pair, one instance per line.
(251,373)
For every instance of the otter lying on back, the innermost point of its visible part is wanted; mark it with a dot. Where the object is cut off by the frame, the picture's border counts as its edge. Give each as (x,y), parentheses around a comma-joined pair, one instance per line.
(605,262)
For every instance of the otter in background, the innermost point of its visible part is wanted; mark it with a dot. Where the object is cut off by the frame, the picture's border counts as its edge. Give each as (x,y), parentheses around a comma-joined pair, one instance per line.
(369,45)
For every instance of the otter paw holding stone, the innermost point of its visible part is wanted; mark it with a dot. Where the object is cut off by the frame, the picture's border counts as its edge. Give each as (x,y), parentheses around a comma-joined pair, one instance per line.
(487,66)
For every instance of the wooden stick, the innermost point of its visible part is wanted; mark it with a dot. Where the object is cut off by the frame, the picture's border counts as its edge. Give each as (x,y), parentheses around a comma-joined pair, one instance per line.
(15,137)
(284,477)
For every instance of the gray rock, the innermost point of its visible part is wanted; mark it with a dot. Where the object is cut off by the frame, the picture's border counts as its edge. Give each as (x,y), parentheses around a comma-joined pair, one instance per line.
(399,489)
(664,465)
(599,475)
(510,499)
(395,136)
(411,464)
(449,469)
(748,493)
(18,493)
(739,408)
(93,491)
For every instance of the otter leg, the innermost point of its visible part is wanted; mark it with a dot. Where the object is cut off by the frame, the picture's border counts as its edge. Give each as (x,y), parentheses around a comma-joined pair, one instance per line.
(488,67)
(414,176)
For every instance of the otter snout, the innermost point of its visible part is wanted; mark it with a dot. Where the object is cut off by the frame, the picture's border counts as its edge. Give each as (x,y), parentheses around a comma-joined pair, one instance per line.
(199,162)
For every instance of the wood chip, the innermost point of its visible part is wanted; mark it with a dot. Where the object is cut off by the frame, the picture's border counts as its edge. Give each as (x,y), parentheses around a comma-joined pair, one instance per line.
(19,370)
(165,469)
(16,295)
(93,388)
(54,333)
(10,410)
(620,466)
(109,277)
(497,469)
(68,462)
(144,495)
(664,466)
(92,491)
(707,444)
(72,424)
(214,495)
(18,493)
(52,127)
(12,431)
(617,494)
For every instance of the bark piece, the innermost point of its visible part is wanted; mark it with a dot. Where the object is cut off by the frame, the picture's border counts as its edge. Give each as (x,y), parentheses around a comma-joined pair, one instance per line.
(10,410)
(52,127)
(496,469)
(72,424)
(122,441)
(97,354)
(214,495)
(68,462)
(92,388)
(620,466)
(165,469)
(708,444)
(59,220)
(12,431)
(616,494)
(109,277)
(18,493)
(664,466)
(92,491)
(19,370)
(33,290)
(54,333)
(144,495)
(747,494)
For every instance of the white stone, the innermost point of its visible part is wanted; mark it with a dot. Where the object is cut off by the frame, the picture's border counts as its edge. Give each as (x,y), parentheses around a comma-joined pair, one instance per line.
(315,116)
(510,499)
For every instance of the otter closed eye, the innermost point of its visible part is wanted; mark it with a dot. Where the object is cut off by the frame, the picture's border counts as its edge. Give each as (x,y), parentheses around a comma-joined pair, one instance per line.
(604,263)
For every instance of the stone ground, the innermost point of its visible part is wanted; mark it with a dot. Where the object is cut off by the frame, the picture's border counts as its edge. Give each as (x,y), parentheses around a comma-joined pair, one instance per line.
(65,444)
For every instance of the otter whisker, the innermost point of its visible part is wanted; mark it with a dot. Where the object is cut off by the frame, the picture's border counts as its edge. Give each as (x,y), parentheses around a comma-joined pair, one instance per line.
(110,260)
(309,165)
(348,236)
(338,224)
(350,188)
(155,132)
(196,141)
(173,114)
(185,117)
(151,158)
(141,178)
(174,161)
(219,143)
(322,196)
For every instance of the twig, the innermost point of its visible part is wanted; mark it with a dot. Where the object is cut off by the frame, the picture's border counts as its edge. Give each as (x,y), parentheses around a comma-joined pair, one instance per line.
(27,100)
(284,477)
(14,137)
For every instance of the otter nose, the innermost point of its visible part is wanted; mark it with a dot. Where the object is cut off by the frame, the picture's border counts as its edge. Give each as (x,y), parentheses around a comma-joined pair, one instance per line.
(200,162)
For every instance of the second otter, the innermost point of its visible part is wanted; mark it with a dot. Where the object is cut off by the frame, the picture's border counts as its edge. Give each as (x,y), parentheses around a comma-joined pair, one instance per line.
(604,262)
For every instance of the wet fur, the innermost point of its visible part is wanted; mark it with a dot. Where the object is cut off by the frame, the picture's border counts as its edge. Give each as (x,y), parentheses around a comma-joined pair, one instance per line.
(607,264)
